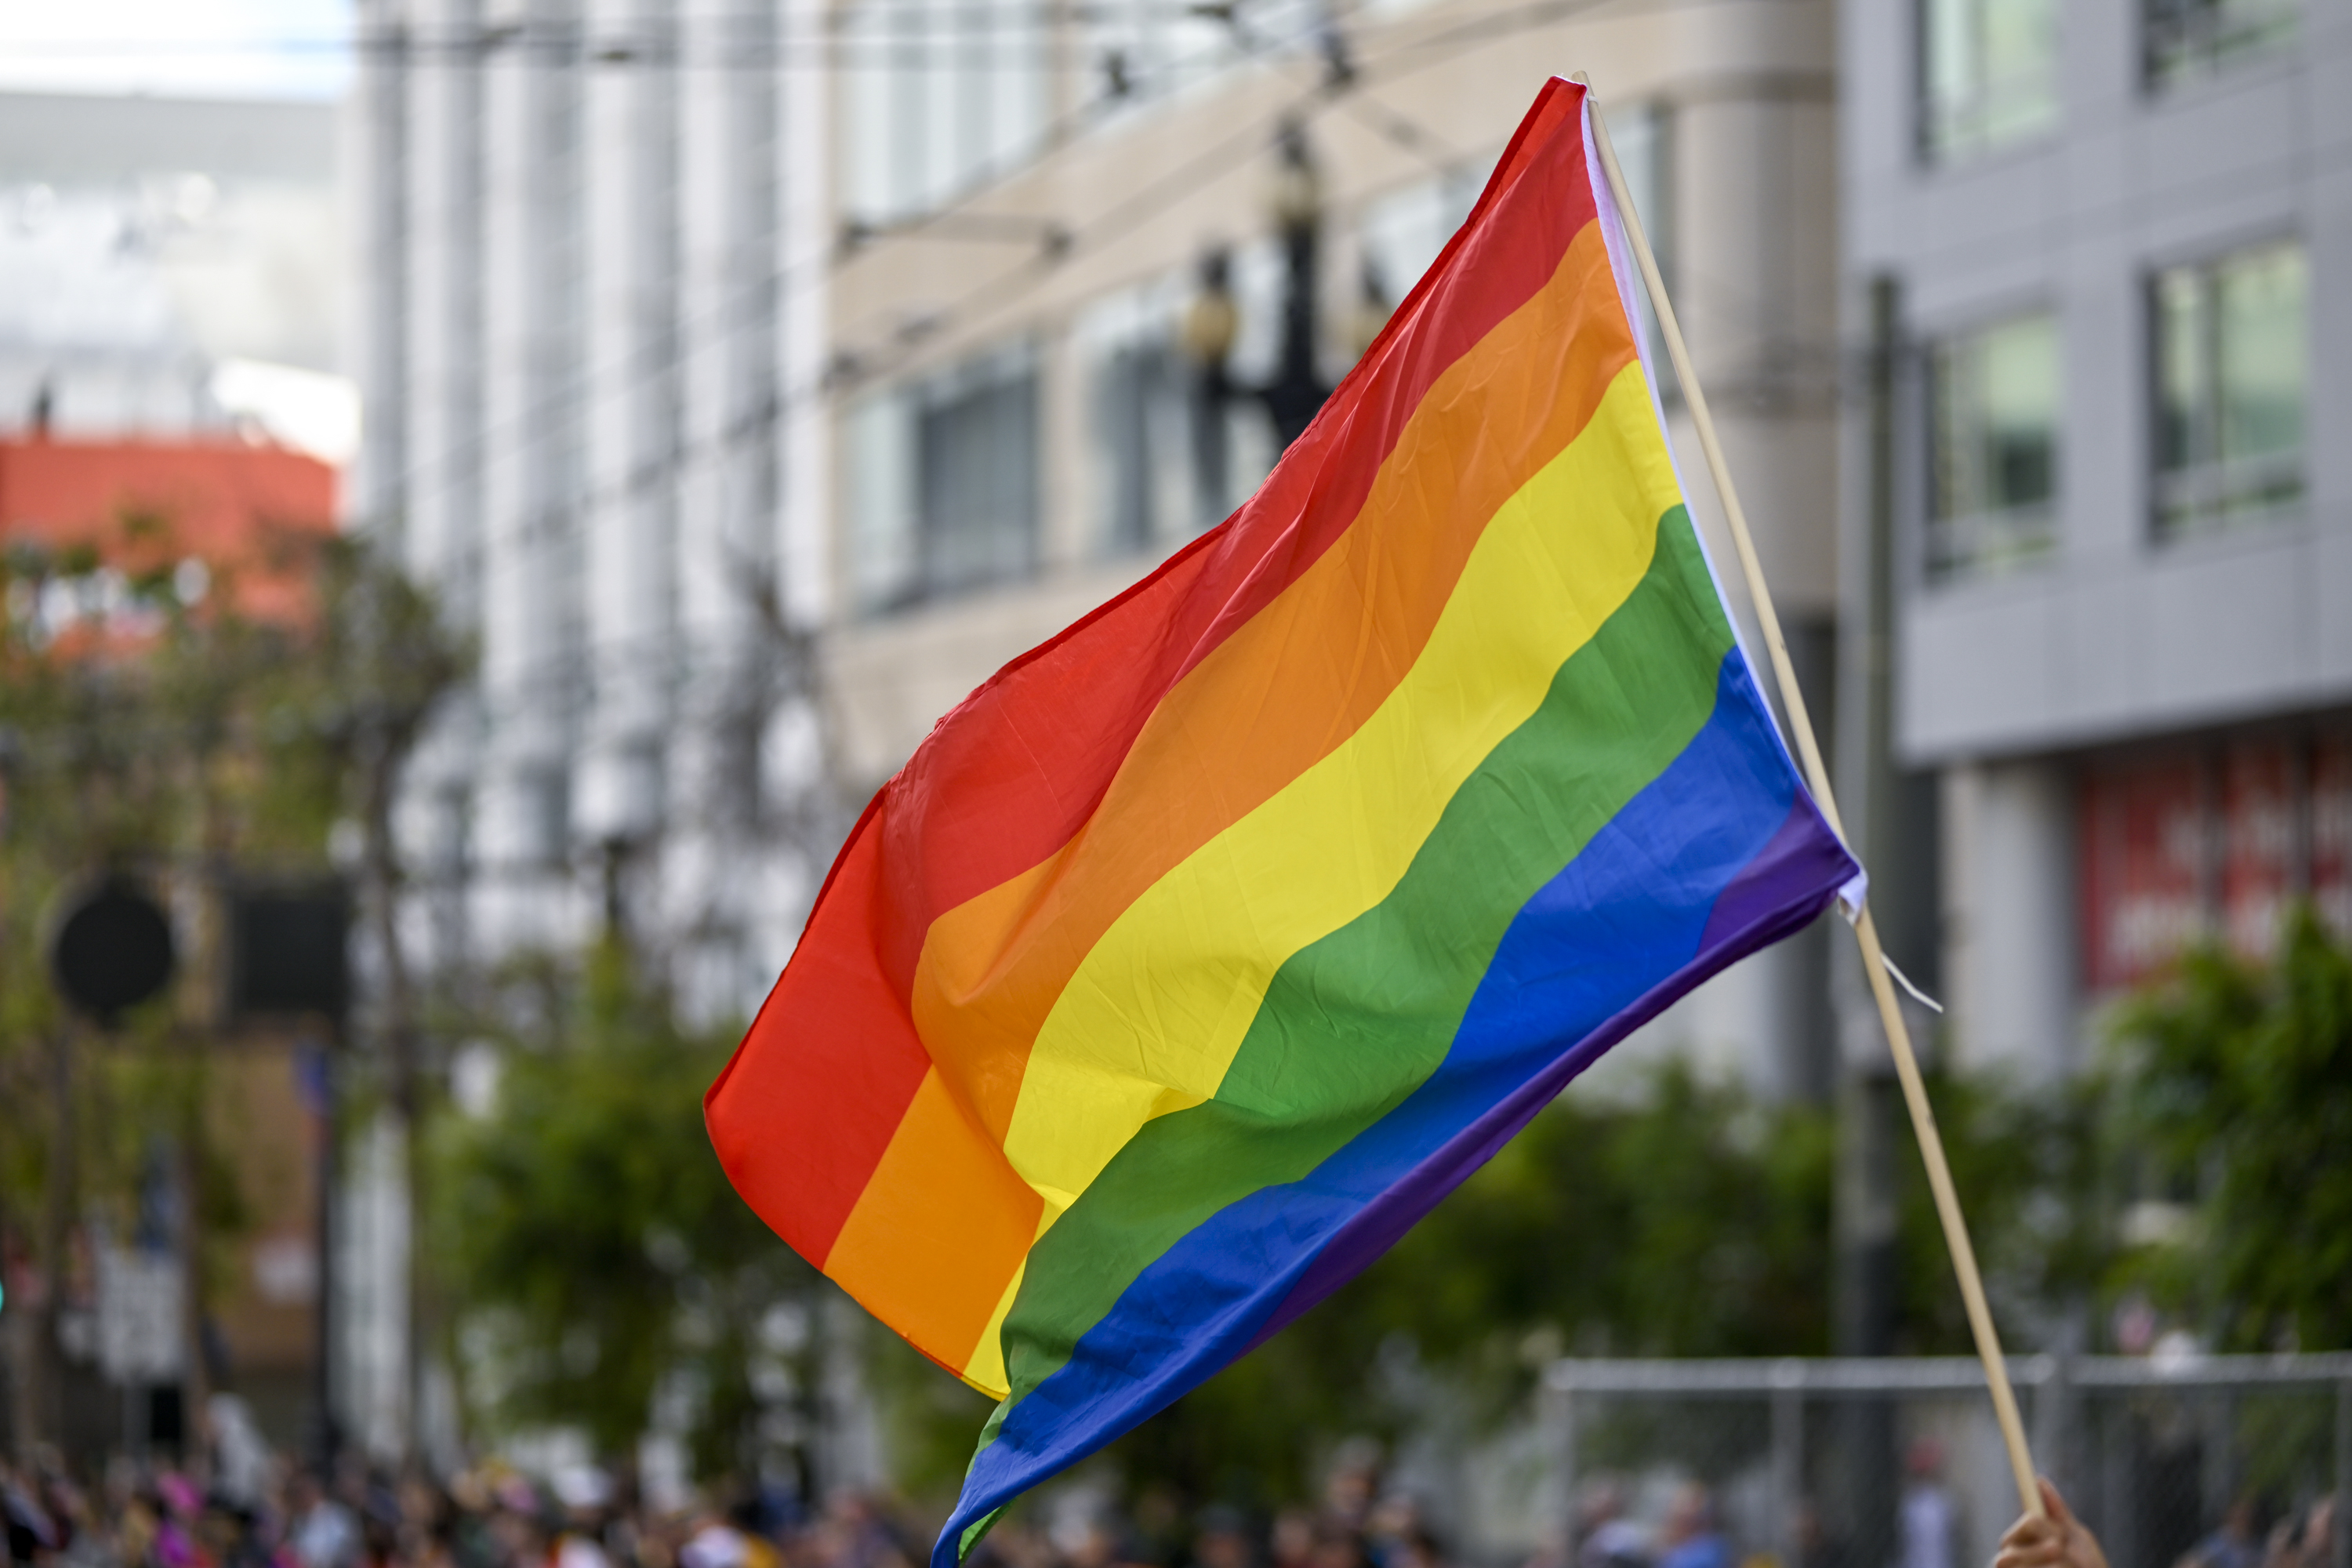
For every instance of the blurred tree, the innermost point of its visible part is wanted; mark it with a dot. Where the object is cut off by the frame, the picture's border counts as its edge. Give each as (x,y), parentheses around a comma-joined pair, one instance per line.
(2236,1078)
(601,1259)
(2034,1165)
(1692,1220)
(155,718)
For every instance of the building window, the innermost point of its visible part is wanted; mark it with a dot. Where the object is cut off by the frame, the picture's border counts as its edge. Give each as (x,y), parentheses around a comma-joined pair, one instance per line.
(2188,39)
(1989,75)
(938,96)
(943,477)
(880,463)
(543,815)
(1139,408)
(1143,433)
(1643,136)
(1993,395)
(1401,233)
(2229,364)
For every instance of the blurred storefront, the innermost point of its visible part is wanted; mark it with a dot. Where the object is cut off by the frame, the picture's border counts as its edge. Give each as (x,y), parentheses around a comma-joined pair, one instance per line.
(218,520)
(2183,842)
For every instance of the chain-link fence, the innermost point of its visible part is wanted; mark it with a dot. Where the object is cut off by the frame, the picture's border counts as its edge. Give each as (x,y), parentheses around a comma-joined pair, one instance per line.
(2226,1461)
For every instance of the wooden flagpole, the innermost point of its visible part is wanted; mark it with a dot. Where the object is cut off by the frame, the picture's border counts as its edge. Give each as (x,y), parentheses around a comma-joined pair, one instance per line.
(1865,931)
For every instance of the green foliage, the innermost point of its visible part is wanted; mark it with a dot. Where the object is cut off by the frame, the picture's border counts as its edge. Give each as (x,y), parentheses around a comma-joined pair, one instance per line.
(2030,1165)
(1694,1222)
(931,1419)
(2237,1082)
(593,1239)
(153,721)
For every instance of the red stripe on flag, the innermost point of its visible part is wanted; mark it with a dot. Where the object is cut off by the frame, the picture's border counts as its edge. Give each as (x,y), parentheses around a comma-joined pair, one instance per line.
(802,1114)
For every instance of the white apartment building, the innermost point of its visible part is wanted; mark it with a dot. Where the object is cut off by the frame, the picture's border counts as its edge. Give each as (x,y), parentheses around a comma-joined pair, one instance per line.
(591,346)
(589,335)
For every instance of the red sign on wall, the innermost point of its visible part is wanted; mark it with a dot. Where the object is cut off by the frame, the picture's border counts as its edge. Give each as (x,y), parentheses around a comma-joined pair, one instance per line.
(2331,831)
(2212,841)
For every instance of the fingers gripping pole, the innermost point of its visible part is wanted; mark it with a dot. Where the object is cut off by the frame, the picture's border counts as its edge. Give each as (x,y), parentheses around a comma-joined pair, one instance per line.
(1874,958)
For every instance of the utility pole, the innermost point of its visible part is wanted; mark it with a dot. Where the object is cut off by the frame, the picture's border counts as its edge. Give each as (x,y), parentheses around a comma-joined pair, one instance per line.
(57,1224)
(113,952)
(1296,392)
(20,1326)
(1890,815)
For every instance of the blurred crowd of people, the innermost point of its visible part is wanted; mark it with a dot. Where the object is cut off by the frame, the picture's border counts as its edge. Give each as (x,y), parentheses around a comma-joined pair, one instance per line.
(2296,1538)
(277,1515)
(1358,1523)
(159,1517)
(251,1510)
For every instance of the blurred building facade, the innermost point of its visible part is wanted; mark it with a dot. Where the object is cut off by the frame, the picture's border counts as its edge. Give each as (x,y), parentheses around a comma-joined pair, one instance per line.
(82,520)
(171,299)
(587,342)
(752,379)
(588,337)
(2099,250)
(1063,275)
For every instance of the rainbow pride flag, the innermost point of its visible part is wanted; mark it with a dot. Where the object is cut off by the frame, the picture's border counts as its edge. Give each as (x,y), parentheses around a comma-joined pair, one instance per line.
(1202,949)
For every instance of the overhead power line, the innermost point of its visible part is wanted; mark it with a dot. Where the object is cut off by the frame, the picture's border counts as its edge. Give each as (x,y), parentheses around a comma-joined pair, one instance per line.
(666,356)
(750,40)
(763,40)
(881,356)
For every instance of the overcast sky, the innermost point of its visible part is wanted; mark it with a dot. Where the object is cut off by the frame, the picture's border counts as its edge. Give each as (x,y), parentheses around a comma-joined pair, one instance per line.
(210,48)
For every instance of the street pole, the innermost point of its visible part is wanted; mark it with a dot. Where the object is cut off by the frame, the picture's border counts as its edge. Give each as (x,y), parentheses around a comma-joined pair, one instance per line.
(57,1224)
(20,1326)
(1296,392)
(1865,1307)
(328,1436)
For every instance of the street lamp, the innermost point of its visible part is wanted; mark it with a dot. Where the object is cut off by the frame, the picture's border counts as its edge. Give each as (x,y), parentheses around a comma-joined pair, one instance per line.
(1210,324)
(1292,397)
(1296,392)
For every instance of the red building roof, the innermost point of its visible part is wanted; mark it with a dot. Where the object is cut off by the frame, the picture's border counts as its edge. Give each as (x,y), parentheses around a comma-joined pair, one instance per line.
(224,501)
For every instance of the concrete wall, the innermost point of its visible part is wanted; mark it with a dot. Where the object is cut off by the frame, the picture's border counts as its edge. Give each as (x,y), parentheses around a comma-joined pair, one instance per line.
(2009,962)
(591,336)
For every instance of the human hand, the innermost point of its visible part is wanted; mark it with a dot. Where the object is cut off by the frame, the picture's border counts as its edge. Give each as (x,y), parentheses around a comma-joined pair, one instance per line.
(2056,1539)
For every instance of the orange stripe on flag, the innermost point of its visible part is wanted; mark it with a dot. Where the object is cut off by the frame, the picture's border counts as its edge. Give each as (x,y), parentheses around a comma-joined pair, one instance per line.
(938,1230)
